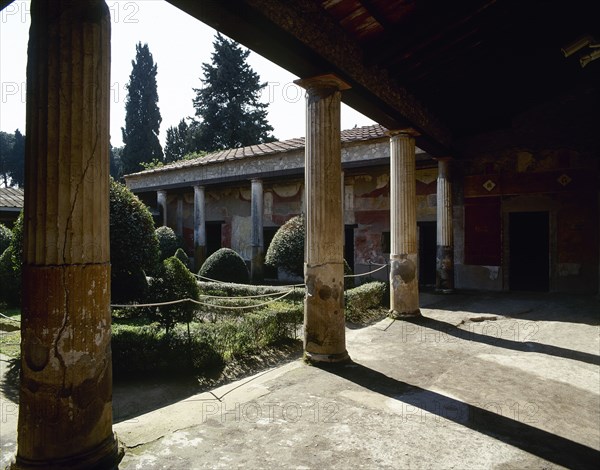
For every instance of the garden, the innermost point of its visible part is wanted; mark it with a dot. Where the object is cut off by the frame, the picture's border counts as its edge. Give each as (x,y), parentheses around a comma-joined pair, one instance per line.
(169,320)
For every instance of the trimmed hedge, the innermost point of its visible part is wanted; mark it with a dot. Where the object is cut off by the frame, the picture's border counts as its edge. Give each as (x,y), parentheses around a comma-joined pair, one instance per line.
(225,265)
(148,349)
(182,256)
(286,250)
(133,243)
(364,297)
(11,261)
(168,242)
(174,282)
(6,236)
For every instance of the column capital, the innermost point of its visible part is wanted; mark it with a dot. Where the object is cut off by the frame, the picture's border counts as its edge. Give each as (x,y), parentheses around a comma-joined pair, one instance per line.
(406,132)
(256,180)
(199,186)
(328,81)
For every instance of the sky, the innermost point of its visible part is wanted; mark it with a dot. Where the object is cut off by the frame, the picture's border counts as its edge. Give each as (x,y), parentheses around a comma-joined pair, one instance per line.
(179,45)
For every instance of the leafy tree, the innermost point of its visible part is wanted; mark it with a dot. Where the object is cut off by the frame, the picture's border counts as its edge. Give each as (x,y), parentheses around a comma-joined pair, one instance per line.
(176,144)
(17,160)
(116,165)
(133,244)
(142,116)
(6,144)
(228,105)
(6,236)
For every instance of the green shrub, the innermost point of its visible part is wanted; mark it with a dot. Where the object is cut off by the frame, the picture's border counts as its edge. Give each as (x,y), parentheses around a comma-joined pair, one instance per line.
(142,350)
(286,250)
(133,242)
(225,265)
(11,261)
(129,286)
(183,257)
(174,282)
(6,236)
(362,298)
(167,242)
(226,289)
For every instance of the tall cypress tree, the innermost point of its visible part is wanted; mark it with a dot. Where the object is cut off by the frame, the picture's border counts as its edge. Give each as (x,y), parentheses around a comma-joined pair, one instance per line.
(17,160)
(228,105)
(142,116)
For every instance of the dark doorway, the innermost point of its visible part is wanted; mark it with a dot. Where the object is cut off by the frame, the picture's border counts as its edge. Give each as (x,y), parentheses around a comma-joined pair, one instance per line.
(213,237)
(427,253)
(349,245)
(529,251)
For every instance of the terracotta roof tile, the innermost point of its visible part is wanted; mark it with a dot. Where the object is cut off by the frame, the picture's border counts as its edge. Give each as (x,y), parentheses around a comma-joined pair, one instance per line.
(11,197)
(347,136)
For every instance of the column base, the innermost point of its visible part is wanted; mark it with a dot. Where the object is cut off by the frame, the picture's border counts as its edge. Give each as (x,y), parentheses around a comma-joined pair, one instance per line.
(401,315)
(314,358)
(106,456)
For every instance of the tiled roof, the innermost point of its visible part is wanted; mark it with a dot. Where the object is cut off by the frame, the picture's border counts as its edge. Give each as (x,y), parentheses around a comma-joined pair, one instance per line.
(11,198)
(347,136)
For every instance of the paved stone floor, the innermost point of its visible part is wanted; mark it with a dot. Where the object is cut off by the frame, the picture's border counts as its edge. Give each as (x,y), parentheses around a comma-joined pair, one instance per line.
(503,381)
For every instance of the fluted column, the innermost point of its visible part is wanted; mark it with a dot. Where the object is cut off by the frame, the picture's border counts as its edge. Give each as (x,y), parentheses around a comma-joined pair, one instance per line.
(65,412)
(445,245)
(256,215)
(404,284)
(199,227)
(324,321)
(161,200)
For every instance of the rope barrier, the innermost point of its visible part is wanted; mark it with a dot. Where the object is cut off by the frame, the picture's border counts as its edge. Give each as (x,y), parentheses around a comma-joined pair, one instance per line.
(366,274)
(8,318)
(223,282)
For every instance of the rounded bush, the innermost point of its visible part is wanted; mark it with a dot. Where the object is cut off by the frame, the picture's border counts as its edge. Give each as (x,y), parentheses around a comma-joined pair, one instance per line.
(182,256)
(175,282)
(286,250)
(167,242)
(225,265)
(133,242)
(6,236)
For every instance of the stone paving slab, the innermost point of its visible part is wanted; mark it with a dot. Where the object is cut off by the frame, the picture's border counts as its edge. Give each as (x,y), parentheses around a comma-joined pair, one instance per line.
(480,381)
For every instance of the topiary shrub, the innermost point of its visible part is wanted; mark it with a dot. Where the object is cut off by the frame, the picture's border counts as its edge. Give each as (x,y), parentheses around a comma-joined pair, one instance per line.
(183,257)
(133,244)
(227,266)
(6,236)
(362,298)
(11,261)
(286,250)
(174,282)
(167,242)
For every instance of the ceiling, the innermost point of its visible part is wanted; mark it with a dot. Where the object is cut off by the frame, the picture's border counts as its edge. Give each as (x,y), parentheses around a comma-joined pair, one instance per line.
(448,69)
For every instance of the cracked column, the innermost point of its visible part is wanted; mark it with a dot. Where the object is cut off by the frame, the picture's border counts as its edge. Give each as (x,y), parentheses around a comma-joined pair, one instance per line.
(199,227)
(256,215)
(444,281)
(324,321)
(65,411)
(404,283)
(161,200)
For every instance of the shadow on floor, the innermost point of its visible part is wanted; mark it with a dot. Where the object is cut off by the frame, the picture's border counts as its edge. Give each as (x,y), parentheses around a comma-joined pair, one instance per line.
(9,385)
(526,346)
(572,308)
(544,444)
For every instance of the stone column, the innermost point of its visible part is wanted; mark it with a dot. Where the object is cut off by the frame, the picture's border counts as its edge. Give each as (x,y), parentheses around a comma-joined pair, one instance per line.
(161,200)
(180,216)
(199,227)
(404,283)
(324,322)
(256,211)
(65,412)
(445,245)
